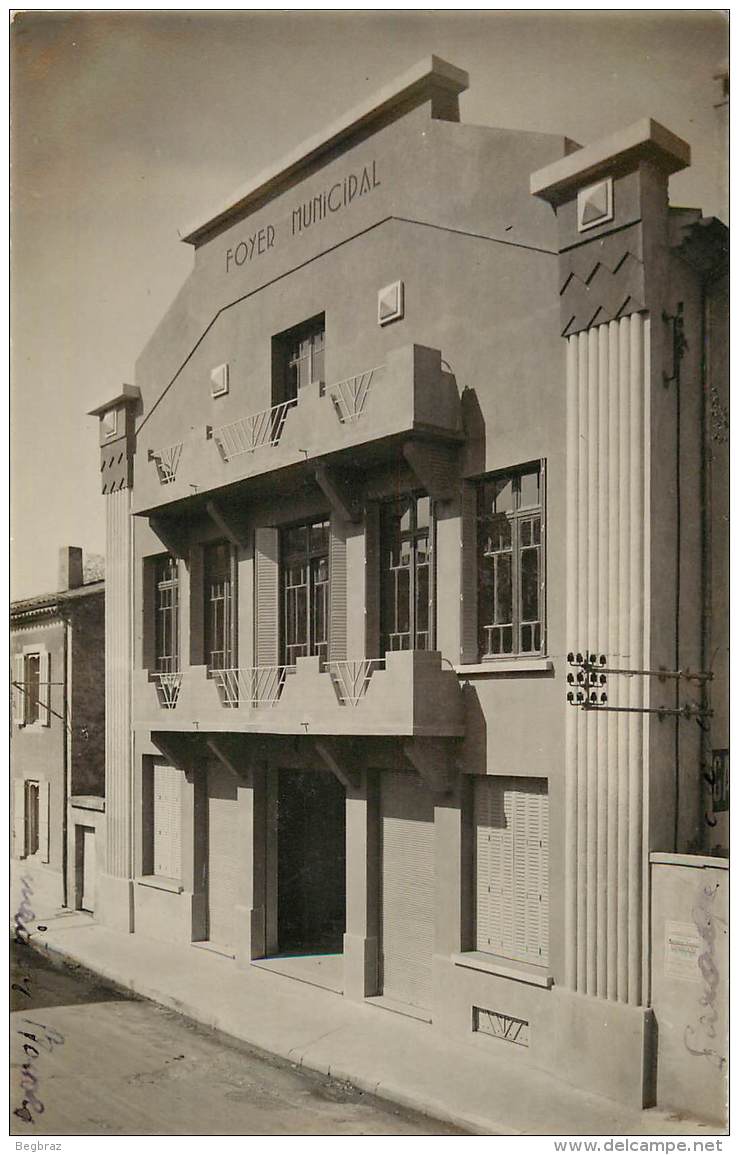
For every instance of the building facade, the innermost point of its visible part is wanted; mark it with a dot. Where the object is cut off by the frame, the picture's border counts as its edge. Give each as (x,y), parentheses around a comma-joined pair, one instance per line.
(411,480)
(57,746)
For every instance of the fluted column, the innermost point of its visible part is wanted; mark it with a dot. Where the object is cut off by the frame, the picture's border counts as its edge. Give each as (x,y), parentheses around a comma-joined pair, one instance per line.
(117,443)
(607,510)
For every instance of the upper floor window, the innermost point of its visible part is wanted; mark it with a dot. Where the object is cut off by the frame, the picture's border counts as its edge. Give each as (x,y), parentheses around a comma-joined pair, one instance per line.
(220,620)
(406,575)
(305,590)
(32,687)
(298,358)
(167,615)
(32,684)
(510,541)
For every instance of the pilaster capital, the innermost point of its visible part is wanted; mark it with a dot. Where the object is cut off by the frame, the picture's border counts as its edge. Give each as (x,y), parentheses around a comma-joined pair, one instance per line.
(118,438)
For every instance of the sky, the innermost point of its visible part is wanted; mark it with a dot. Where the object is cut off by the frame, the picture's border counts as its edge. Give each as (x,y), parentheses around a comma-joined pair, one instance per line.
(128,126)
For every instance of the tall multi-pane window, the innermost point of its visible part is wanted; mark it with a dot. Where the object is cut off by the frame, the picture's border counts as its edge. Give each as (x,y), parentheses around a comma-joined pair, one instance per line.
(219,606)
(299,358)
(305,590)
(407,576)
(167,615)
(510,563)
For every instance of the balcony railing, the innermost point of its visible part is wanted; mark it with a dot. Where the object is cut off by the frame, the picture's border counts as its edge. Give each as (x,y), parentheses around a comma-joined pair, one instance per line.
(166,461)
(351,679)
(253,686)
(349,397)
(168,689)
(253,432)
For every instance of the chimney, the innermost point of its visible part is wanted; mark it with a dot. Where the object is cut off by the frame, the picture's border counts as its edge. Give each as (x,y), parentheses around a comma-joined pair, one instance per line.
(70,567)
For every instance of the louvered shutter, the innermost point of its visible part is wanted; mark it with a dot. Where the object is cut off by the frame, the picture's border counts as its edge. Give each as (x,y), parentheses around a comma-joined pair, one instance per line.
(469,577)
(44,790)
(18,696)
(512,868)
(45,688)
(167,821)
(266,597)
(408,888)
(372,580)
(337,589)
(19,818)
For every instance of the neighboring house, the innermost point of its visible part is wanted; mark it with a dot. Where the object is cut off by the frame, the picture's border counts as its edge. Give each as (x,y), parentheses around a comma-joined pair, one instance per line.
(403,509)
(57,749)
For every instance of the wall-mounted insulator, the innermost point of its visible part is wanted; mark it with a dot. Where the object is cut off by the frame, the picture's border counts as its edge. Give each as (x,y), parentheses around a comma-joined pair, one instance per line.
(579,659)
(604,697)
(571,658)
(570,696)
(570,679)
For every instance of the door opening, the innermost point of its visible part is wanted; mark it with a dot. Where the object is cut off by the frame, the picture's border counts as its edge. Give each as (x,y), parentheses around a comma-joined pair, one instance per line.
(311,863)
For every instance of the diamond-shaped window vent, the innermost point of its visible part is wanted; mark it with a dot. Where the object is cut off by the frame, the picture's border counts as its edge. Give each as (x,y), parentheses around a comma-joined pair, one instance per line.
(595,205)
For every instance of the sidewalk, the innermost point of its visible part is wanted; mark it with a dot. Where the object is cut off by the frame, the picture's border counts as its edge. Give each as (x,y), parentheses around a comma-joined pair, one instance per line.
(386,1054)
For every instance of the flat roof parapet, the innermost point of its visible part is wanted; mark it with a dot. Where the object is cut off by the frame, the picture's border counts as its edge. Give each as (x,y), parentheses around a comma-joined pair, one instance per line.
(646,139)
(428,76)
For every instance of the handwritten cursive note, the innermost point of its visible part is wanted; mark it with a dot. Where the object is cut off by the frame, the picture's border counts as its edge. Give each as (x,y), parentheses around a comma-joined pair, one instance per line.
(699,1038)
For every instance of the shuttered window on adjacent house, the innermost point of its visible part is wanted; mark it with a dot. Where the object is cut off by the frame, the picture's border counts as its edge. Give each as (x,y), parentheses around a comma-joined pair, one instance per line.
(512,868)
(167,821)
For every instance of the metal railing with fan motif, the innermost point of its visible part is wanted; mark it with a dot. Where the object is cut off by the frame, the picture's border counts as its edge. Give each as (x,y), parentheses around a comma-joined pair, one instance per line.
(166,461)
(351,679)
(349,397)
(254,686)
(168,689)
(251,433)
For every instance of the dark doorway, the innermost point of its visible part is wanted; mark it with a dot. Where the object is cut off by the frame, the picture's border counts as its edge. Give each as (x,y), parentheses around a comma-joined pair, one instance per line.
(311,884)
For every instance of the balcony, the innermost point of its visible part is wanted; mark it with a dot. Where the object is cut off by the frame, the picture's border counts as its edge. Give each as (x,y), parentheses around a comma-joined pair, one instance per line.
(411,693)
(409,395)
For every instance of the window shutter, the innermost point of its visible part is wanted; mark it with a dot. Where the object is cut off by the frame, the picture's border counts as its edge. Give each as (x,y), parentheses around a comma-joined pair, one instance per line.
(372,580)
(18,696)
(337,589)
(19,818)
(512,868)
(43,820)
(469,563)
(167,821)
(45,688)
(267,597)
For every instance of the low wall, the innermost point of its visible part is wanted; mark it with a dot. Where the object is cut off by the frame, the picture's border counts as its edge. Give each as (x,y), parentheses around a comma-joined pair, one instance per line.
(690,981)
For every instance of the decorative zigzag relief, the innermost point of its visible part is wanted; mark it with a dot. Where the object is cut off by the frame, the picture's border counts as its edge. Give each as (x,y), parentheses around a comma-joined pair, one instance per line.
(114,467)
(601,280)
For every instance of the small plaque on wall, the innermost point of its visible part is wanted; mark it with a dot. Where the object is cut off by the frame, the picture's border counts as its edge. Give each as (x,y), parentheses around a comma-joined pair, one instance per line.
(683,945)
(390,303)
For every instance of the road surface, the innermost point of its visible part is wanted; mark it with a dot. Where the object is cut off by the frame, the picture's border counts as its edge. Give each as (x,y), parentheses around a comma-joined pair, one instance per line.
(108,1063)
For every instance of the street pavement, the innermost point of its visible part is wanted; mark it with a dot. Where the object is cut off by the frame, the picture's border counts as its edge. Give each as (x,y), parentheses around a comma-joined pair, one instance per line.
(112,1064)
